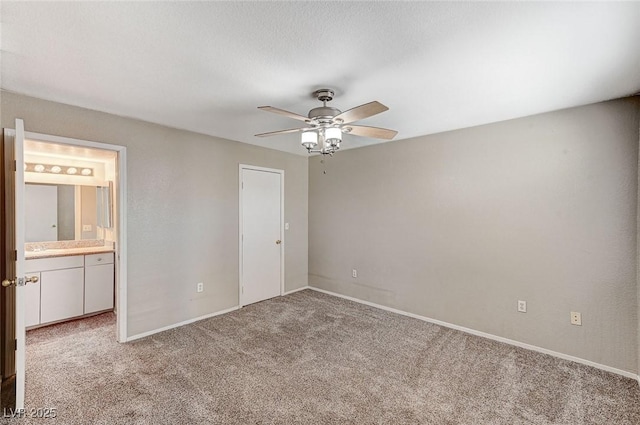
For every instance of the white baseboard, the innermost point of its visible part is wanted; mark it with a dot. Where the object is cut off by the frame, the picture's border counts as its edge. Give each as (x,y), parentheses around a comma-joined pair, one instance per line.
(295,290)
(488,336)
(197,319)
(177,325)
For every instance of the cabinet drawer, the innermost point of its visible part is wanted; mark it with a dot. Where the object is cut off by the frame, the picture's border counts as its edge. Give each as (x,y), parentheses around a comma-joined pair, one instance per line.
(54,263)
(97,259)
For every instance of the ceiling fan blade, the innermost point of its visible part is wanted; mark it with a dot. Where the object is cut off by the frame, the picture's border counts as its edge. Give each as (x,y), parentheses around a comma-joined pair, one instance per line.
(375,132)
(360,112)
(273,133)
(283,112)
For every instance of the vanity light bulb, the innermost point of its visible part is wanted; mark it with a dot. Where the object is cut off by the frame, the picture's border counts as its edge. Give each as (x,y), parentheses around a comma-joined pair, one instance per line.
(56,169)
(39,168)
(72,170)
(86,171)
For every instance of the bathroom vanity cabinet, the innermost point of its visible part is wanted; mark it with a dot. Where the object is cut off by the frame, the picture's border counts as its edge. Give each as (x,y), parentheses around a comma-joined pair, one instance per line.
(69,287)
(98,282)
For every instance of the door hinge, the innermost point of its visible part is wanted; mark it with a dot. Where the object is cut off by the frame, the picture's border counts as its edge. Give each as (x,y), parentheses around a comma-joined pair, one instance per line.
(15,165)
(15,255)
(242,290)
(15,344)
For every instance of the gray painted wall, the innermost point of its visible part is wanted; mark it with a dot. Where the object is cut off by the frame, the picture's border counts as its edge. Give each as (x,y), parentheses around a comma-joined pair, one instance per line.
(182,208)
(458,226)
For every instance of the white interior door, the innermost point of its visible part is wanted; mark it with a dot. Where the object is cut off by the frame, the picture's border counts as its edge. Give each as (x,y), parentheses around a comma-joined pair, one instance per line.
(261,274)
(14,208)
(41,219)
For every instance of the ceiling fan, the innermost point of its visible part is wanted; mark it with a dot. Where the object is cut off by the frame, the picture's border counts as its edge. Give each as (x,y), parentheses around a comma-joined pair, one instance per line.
(325,124)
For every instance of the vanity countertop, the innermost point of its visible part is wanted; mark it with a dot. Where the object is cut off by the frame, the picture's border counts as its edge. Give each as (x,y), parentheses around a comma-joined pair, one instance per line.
(65,252)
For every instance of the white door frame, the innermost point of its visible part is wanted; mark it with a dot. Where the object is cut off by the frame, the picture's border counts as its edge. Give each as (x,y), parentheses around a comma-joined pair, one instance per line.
(121,245)
(241,168)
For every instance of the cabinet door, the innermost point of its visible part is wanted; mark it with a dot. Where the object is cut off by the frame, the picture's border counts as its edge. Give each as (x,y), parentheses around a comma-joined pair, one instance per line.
(32,302)
(98,288)
(61,294)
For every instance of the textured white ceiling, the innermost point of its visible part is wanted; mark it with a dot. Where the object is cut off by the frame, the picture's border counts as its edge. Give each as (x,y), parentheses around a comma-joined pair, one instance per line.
(207,66)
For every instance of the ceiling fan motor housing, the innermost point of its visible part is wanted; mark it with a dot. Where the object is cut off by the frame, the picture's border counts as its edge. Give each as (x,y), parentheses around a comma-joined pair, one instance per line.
(324,113)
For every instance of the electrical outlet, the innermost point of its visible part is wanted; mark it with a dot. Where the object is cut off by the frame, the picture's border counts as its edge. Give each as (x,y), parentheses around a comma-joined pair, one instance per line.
(200,287)
(354,273)
(86,227)
(576,318)
(522,306)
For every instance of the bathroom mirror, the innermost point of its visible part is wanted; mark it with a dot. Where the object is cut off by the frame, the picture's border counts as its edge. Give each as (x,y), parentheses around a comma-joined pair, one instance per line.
(60,212)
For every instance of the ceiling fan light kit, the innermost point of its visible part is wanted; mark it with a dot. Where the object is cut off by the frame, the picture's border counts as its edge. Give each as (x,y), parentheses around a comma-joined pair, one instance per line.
(326,124)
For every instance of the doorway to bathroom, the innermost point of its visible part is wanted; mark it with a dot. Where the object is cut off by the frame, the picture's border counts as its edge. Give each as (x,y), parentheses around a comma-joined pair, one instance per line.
(82,271)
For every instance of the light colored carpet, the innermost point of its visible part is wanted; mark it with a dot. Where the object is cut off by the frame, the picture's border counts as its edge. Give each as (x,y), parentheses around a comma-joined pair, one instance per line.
(310,358)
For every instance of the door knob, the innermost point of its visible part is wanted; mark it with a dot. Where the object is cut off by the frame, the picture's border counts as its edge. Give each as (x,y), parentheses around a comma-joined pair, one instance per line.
(278,242)
(20,282)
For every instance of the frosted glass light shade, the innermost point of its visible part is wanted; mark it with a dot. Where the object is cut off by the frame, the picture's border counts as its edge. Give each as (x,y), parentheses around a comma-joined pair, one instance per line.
(309,139)
(333,136)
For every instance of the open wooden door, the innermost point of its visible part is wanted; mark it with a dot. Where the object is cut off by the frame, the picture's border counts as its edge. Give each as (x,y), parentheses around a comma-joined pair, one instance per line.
(13,308)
